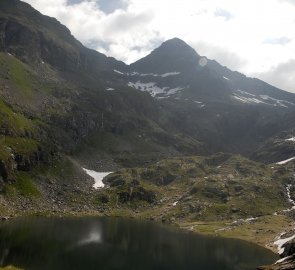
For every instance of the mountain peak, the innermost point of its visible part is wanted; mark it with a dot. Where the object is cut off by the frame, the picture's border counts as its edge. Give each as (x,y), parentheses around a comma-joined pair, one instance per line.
(175,42)
(172,55)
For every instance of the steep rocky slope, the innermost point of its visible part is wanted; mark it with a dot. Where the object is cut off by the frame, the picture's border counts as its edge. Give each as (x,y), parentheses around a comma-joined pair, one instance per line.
(155,123)
(278,148)
(58,99)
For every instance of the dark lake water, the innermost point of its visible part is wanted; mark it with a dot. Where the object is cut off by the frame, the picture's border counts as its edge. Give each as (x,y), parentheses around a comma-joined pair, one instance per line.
(116,243)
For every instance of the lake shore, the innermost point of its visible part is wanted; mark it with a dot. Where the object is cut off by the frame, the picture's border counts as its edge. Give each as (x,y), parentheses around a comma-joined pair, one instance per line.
(263,231)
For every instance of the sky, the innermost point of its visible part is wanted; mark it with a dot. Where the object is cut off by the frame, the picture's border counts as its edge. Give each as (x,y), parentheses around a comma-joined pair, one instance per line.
(255,37)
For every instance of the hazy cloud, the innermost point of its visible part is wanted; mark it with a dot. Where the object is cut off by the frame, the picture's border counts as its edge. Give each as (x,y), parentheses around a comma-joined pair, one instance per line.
(107,6)
(282,76)
(222,55)
(243,35)
(223,13)
(289,1)
(277,41)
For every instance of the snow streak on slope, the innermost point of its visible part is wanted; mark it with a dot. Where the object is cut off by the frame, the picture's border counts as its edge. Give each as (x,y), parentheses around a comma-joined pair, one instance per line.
(98,177)
(292,139)
(153,89)
(285,161)
(246,97)
(174,73)
(280,242)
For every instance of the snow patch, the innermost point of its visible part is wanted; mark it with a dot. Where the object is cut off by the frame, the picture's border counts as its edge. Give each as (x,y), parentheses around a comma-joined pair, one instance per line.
(240,221)
(278,102)
(198,102)
(225,78)
(290,200)
(175,203)
(154,74)
(150,87)
(98,177)
(285,161)
(280,242)
(245,93)
(283,259)
(289,195)
(247,97)
(250,100)
(292,139)
(110,89)
(170,74)
(153,89)
(119,72)
(134,73)
(174,90)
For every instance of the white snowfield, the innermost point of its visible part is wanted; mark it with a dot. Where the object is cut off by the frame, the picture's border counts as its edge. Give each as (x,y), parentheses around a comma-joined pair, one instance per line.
(98,177)
(174,73)
(119,72)
(169,74)
(225,78)
(292,139)
(283,259)
(153,89)
(279,243)
(279,102)
(110,89)
(245,93)
(290,200)
(249,98)
(285,161)
(289,196)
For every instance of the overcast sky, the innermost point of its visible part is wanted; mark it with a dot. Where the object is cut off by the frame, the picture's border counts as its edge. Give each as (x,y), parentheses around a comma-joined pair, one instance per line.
(255,37)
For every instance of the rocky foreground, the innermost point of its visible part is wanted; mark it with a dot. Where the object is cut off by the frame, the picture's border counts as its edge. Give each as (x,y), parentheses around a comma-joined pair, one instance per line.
(288,258)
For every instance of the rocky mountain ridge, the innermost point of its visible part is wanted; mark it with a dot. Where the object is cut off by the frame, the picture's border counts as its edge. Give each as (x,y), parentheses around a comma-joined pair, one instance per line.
(64,107)
(81,102)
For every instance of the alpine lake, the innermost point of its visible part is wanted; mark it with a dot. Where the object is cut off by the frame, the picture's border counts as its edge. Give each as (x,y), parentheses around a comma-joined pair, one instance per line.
(117,243)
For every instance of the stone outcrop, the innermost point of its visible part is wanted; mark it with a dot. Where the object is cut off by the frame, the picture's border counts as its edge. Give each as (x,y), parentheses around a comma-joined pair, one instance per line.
(288,260)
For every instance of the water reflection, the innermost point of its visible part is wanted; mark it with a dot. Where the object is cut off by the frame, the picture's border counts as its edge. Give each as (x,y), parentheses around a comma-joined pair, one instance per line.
(113,243)
(94,236)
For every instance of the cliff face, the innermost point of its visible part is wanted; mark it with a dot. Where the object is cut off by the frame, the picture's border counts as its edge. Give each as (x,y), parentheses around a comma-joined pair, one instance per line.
(34,46)
(288,258)
(59,97)
(35,38)
(53,98)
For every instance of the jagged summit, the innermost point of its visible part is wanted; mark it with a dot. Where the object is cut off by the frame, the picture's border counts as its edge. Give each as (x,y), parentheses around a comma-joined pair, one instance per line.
(177,43)
(173,55)
(45,73)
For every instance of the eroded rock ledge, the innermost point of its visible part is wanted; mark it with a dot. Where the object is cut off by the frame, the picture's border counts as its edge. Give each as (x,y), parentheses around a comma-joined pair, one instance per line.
(288,260)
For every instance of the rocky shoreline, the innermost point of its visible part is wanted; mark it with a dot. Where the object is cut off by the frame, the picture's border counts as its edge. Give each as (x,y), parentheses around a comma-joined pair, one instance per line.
(65,189)
(286,263)
(288,258)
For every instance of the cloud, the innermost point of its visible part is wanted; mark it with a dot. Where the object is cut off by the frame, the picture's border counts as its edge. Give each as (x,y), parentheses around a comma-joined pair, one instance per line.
(221,55)
(289,1)
(107,6)
(249,36)
(223,13)
(277,41)
(282,76)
